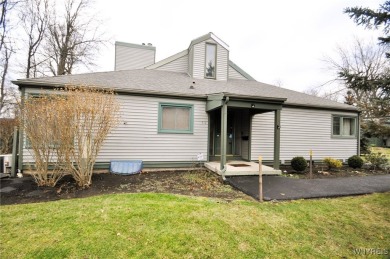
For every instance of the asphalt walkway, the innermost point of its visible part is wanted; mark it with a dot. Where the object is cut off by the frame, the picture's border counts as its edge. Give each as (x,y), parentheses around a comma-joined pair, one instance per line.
(285,188)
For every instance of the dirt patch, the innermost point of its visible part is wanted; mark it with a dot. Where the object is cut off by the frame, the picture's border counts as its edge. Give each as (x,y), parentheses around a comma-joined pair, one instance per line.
(320,171)
(192,183)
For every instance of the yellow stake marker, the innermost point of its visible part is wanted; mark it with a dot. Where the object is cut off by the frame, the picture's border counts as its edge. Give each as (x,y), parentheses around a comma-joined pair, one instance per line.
(260,180)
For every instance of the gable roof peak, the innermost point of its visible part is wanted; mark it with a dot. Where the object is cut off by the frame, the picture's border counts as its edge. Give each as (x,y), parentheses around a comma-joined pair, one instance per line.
(207,36)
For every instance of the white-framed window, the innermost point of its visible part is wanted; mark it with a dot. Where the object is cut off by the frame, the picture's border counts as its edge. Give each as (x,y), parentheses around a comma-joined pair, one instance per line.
(211,55)
(175,118)
(344,126)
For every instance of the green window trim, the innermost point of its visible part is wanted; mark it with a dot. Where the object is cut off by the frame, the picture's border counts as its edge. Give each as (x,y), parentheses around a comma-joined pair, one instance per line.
(190,129)
(340,119)
(27,144)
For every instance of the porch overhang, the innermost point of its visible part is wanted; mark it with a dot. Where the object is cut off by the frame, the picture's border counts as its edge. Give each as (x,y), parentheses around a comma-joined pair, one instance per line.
(255,105)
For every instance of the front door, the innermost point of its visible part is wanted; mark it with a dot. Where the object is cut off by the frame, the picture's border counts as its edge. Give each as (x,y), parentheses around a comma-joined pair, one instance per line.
(230,135)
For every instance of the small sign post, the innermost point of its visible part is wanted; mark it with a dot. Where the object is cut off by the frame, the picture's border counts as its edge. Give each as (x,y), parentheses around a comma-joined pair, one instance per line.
(260,180)
(311,164)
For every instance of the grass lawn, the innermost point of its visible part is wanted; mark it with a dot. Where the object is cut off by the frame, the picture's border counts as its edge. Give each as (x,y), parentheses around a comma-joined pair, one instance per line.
(173,226)
(383,150)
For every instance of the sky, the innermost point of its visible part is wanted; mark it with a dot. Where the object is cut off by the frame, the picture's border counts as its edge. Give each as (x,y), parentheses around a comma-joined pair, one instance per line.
(279,42)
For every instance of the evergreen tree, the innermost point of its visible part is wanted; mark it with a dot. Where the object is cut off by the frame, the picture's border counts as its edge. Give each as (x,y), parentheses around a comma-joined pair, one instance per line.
(376,108)
(371,19)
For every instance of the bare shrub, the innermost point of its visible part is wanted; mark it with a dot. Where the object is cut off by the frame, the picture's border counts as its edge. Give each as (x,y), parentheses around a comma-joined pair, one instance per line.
(6,134)
(66,130)
(93,113)
(39,122)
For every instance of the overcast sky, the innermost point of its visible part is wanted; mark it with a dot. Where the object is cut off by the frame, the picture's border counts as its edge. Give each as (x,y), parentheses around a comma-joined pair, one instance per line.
(280,42)
(276,42)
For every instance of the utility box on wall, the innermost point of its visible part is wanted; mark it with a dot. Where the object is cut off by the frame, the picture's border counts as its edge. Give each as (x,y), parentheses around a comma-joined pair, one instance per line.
(5,163)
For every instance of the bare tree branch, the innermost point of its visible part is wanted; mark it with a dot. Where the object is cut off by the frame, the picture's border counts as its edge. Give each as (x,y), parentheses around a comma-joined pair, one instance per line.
(7,95)
(34,16)
(363,69)
(73,39)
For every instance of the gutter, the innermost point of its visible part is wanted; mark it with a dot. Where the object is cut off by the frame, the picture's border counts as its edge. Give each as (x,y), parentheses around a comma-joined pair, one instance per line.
(321,107)
(44,85)
(41,84)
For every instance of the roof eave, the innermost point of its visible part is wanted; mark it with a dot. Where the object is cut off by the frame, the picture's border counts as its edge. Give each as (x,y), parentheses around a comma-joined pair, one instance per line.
(241,71)
(323,107)
(168,59)
(115,89)
(208,36)
(257,98)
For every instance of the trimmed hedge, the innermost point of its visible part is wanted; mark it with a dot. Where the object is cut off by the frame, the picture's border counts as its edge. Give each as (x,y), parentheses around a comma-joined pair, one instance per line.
(355,161)
(299,163)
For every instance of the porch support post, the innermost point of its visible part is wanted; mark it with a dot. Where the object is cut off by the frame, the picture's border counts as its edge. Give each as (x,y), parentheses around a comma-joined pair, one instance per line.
(223,134)
(21,133)
(14,152)
(277,140)
(358,134)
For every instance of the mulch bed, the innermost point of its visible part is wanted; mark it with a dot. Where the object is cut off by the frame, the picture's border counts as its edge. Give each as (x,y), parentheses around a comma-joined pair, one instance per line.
(192,183)
(322,172)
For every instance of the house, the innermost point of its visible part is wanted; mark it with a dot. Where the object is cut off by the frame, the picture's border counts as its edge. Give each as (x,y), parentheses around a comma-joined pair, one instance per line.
(199,102)
(383,139)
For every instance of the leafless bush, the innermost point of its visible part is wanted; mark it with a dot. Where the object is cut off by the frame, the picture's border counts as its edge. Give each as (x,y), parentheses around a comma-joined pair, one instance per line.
(66,130)
(6,134)
(39,121)
(94,112)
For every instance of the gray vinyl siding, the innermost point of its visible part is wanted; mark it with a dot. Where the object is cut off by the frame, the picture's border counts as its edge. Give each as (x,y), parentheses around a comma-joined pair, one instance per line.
(222,63)
(127,58)
(178,65)
(199,60)
(301,130)
(191,61)
(234,74)
(137,135)
(139,139)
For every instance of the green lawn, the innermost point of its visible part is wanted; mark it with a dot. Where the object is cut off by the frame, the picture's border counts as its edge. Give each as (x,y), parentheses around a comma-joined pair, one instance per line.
(383,150)
(172,226)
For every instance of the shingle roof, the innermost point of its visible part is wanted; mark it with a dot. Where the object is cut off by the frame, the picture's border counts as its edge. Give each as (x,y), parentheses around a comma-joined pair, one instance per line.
(178,84)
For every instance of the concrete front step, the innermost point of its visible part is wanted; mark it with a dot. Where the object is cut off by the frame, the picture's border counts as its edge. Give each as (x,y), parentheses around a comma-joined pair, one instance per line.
(234,168)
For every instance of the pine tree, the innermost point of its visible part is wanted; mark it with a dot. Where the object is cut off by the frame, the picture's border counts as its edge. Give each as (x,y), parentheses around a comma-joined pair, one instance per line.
(371,19)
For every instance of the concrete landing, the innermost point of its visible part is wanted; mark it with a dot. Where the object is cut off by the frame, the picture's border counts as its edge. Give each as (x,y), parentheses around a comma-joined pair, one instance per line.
(235,168)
